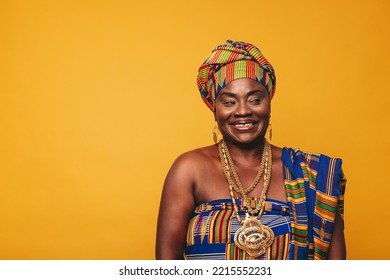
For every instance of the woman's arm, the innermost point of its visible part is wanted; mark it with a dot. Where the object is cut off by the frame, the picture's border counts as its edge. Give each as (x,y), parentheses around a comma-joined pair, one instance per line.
(337,249)
(176,207)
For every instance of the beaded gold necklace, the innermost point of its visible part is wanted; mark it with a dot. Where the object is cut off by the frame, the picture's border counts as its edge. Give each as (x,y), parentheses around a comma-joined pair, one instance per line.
(253,237)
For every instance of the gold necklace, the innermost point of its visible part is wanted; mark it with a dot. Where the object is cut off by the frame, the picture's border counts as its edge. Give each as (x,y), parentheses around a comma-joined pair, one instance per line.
(237,186)
(253,237)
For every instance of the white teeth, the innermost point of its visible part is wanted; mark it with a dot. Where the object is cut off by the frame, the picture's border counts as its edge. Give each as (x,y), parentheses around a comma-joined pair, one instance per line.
(243,125)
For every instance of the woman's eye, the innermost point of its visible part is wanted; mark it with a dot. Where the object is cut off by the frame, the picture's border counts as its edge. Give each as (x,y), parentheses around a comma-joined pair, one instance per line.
(255,101)
(229,102)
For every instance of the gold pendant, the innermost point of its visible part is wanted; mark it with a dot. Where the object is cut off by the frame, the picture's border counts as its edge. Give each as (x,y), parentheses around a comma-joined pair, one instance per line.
(253,237)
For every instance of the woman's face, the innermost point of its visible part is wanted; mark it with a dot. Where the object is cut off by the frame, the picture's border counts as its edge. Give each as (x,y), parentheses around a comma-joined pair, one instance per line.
(242,111)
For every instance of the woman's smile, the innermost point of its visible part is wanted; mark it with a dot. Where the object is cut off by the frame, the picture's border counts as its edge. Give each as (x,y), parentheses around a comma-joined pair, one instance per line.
(244,125)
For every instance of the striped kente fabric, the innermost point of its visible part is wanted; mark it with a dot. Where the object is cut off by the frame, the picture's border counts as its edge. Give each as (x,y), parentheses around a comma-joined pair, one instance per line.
(315,186)
(303,227)
(211,230)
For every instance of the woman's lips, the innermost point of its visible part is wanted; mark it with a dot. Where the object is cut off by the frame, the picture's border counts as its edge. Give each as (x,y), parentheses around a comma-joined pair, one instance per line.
(244,126)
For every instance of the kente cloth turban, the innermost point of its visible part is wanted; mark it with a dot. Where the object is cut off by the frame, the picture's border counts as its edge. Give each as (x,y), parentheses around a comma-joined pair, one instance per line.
(231,61)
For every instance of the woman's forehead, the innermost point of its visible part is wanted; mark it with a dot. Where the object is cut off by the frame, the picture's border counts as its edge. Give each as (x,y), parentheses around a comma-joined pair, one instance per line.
(243,85)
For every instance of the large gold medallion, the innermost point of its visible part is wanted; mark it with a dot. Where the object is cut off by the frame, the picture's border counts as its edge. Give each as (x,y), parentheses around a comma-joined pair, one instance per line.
(253,237)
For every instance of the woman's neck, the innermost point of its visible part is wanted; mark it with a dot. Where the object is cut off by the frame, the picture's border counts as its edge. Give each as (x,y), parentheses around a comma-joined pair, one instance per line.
(246,153)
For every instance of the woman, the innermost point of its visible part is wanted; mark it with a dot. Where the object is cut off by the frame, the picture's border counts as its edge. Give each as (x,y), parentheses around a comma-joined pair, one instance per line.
(243,198)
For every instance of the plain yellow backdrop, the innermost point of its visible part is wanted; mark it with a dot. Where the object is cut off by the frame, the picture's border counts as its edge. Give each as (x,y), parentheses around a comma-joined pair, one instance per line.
(97,98)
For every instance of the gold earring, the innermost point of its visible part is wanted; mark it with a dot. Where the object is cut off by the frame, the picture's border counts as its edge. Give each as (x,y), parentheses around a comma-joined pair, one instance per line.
(216,133)
(270,131)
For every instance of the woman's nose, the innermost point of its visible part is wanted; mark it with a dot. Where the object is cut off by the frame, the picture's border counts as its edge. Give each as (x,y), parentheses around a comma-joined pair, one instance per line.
(243,109)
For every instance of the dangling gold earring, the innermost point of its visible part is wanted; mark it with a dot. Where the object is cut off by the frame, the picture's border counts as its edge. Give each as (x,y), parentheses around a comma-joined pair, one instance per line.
(270,131)
(216,133)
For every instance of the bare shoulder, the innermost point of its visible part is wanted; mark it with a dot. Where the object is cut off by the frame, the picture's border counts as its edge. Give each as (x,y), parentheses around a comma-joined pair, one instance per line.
(187,167)
(196,158)
(202,153)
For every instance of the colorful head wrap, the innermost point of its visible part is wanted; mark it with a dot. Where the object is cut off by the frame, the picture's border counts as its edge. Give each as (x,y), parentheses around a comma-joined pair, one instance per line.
(232,61)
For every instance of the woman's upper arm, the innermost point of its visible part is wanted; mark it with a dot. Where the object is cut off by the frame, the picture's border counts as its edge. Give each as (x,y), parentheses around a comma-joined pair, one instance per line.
(176,207)
(337,249)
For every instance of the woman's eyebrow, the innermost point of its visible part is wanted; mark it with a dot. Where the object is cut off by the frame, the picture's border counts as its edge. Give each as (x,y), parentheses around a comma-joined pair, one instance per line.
(256,91)
(229,94)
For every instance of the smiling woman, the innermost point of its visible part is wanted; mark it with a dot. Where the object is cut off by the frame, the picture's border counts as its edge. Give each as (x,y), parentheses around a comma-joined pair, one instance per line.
(243,198)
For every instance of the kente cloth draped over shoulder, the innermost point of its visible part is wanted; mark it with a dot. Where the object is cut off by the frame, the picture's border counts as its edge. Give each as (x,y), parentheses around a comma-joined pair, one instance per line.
(315,186)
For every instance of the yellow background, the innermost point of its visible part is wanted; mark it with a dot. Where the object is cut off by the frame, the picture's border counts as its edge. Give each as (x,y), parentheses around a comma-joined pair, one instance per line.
(97,98)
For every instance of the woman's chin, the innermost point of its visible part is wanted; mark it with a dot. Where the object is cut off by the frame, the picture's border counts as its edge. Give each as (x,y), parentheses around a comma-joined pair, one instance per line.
(245,139)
